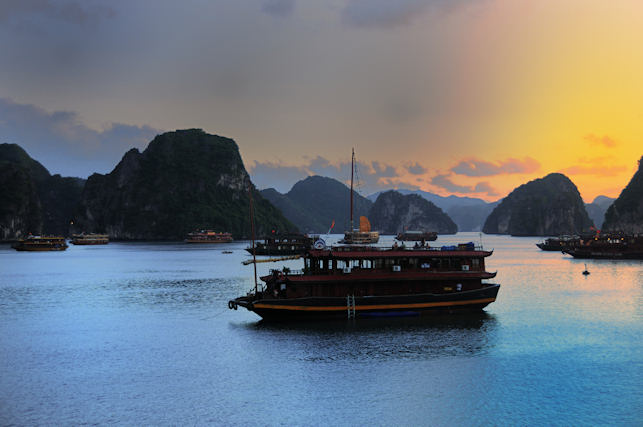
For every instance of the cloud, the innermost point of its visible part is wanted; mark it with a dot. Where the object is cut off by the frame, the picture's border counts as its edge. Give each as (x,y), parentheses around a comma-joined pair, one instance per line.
(69,11)
(444,181)
(416,169)
(280,8)
(485,187)
(599,166)
(369,176)
(276,175)
(390,13)
(604,140)
(384,171)
(63,143)
(475,167)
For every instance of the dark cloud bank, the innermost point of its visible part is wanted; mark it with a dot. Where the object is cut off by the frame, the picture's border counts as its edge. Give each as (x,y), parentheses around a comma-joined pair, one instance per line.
(63,143)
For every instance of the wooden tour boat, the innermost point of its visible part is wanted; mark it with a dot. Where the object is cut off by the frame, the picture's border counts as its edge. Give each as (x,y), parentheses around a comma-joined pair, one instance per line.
(363,235)
(40,244)
(365,281)
(558,244)
(417,236)
(89,239)
(608,246)
(208,236)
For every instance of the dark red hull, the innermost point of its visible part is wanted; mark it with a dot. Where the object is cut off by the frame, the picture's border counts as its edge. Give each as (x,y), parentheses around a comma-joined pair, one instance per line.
(318,308)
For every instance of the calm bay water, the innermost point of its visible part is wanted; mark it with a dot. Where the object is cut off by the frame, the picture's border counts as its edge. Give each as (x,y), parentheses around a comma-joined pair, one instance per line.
(140,333)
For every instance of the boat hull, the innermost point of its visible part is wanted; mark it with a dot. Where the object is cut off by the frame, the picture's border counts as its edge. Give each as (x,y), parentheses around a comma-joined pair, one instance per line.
(318,308)
(598,254)
(39,248)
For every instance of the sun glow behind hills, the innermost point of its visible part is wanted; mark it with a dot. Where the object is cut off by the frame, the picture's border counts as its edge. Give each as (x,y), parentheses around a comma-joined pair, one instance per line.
(511,89)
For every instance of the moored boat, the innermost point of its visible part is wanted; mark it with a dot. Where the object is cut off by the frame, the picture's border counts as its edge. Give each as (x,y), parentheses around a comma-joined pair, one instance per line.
(40,244)
(208,236)
(608,246)
(89,239)
(558,244)
(363,235)
(366,281)
(417,236)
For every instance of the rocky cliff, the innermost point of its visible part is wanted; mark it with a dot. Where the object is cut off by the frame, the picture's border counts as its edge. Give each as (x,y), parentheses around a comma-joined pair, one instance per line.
(183,180)
(315,202)
(626,213)
(468,213)
(393,212)
(32,200)
(548,206)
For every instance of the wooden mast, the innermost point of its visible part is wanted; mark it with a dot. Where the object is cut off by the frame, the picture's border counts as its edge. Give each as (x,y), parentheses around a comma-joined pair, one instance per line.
(252,230)
(352,170)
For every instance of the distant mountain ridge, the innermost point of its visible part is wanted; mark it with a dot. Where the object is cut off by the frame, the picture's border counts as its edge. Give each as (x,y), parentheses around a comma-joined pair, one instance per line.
(596,210)
(394,212)
(313,203)
(547,206)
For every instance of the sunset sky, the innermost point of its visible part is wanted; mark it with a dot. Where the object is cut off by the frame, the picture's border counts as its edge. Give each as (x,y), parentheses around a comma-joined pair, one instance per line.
(466,97)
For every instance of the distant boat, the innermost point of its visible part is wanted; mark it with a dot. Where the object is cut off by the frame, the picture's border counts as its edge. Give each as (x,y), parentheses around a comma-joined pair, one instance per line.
(89,239)
(609,246)
(559,244)
(363,235)
(41,244)
(208,236)
(417,236)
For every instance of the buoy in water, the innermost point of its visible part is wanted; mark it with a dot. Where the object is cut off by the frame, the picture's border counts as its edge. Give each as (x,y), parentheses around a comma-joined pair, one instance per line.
(586,271)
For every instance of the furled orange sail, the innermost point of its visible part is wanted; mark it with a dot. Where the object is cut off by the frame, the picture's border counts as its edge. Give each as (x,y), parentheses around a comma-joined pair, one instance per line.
(364,225)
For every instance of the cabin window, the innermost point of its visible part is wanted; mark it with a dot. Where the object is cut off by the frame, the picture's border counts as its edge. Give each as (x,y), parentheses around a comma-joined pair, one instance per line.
(307,263)
(330,264)
(388,262)
(341,264)
(367,263)
(475,263)
(320,264)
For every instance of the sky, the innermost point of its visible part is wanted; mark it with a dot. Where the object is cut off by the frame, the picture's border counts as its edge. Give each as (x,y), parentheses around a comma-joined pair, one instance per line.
(464,97)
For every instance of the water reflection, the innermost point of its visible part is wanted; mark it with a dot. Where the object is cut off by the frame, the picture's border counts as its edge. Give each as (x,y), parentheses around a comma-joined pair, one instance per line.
(417,338)
(178,293)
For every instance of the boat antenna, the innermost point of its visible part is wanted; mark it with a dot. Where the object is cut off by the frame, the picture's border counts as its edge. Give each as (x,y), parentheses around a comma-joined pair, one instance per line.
(252,231)
(352,170)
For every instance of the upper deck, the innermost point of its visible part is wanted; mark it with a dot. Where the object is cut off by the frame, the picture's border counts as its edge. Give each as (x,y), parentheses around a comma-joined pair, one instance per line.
(423,252)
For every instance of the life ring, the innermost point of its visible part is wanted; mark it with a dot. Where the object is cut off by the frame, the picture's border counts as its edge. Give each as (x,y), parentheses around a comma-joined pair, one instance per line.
(230,305)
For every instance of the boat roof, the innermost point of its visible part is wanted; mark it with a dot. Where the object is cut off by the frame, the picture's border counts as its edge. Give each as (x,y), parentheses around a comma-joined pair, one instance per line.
(375,252)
